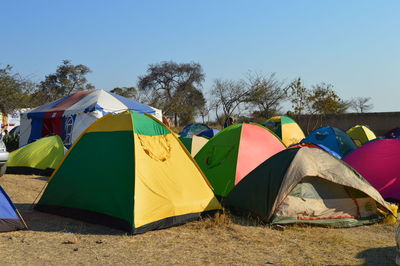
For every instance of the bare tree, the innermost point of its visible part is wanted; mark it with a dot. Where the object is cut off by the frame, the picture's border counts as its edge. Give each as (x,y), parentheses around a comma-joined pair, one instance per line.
(227,96)
(174,88)
(361,104)
(266,93)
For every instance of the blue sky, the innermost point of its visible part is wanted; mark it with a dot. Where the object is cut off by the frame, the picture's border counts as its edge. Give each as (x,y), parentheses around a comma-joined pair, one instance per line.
(354,45)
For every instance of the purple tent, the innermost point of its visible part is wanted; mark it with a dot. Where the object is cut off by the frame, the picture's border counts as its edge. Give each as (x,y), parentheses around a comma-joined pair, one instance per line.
(378,162)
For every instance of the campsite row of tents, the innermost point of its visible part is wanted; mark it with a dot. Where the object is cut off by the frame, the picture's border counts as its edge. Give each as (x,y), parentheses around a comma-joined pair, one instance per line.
(129,171)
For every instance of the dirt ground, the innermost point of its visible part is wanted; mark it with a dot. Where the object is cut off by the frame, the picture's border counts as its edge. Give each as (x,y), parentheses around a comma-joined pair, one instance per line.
(54,240)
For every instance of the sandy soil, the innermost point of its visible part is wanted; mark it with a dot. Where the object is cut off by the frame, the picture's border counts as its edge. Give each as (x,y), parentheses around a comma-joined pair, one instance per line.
(54,240)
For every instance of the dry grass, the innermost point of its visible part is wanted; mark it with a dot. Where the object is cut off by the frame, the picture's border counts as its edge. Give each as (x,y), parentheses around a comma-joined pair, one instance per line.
(54,240)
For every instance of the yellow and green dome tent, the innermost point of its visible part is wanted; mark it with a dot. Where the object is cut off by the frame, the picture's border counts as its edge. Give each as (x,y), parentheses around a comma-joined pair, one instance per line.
(193,144)
(360,134)
(286,129)
(128,171)
(40,157)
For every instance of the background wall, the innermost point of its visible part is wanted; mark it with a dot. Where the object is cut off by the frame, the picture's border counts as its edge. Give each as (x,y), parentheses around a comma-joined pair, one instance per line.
(379,123)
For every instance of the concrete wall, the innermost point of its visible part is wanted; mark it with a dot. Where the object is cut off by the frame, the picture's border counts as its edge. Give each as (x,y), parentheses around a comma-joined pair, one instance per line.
(379,123)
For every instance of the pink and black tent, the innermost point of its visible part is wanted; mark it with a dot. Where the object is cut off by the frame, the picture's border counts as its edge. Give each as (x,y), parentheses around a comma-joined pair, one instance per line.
(378,162)
(69,116)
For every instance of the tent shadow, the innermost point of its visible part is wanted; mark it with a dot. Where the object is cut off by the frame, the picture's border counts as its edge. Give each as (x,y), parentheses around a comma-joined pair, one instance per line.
(45,222)
(378,256)
(44,178)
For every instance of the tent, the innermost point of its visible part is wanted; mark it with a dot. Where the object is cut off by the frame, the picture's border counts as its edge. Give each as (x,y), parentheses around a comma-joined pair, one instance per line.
(234,152)
(378,162)
(69,116)
(193,144)
(333,138)
(307,185)
(10,220)
(193,129)
(320,146)
(360,134)
(393,133)
(40,157)
(286,129)
(208,133)
(130,172)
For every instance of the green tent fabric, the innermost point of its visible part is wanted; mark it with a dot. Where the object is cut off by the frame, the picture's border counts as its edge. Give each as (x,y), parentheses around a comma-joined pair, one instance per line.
(234,152)
(40,157)
(193,144)
(307,185)
(130,172)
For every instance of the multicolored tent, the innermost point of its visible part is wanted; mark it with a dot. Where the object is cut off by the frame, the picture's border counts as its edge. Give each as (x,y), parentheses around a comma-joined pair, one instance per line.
(360,134)
(69,116)
(193,144)
(208,133)
(40,157)
(378,162)
(128,171)
(286,129)
(333,138)
(193,129)
(307,185)
(10,220)
(234,152)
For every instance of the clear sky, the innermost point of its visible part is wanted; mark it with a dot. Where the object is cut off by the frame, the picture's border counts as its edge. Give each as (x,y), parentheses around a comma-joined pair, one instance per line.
(354,45)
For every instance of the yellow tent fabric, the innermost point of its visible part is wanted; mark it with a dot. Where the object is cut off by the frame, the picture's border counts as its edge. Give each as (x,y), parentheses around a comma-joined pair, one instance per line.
(43,154)
(197,144)
(286,129)
(361,134)
(129,171)
(160,192)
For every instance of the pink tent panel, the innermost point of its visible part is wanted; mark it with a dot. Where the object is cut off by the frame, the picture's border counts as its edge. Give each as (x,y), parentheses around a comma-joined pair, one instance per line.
(379,162)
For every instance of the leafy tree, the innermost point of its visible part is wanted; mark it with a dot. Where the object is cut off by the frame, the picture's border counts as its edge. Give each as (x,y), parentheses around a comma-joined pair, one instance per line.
(361,104)
(298,96)
(13,90)
(227,96)
(266,93)
(324,100)
(129,92)
(68,78)
(174,88)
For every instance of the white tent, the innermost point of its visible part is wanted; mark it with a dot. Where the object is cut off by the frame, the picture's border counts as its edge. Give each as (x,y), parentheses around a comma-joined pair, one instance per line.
(69,116)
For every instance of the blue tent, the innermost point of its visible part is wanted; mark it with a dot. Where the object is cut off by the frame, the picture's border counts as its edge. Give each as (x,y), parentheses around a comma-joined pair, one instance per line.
(208,133)
(332,138)
(193,129)
(9,218)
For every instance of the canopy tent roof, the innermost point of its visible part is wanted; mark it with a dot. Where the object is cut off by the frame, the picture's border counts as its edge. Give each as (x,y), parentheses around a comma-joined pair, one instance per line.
(89,101)
(69,116)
